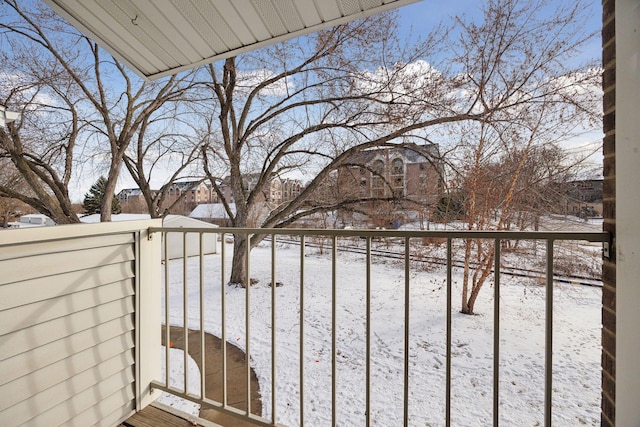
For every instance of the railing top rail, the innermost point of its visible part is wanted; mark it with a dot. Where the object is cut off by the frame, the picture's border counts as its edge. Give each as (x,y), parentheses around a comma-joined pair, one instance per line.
(591,236)
(20,236)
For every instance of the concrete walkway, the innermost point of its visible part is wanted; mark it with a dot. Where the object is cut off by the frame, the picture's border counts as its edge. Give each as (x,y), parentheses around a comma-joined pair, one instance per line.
(236,375)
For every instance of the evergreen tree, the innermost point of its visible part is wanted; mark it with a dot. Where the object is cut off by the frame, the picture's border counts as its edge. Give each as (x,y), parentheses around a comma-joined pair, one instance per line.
(93,199)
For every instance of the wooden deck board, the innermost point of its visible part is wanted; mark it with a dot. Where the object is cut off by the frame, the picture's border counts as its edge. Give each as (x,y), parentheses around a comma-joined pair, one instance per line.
(156,416)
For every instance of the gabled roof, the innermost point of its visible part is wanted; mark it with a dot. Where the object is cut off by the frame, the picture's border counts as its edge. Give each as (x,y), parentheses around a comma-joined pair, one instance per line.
(412,153)
(130,192)
(187,185)
(158,38)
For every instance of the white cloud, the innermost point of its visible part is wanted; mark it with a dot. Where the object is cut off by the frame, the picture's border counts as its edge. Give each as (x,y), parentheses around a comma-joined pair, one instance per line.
(28,91)
(248,80)
(402,83)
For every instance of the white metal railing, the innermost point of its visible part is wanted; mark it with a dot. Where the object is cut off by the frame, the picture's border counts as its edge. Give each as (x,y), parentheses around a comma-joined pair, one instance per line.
(333,237)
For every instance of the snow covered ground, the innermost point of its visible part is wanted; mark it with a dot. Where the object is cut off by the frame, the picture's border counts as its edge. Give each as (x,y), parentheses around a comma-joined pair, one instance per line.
(176,375)
(576,367)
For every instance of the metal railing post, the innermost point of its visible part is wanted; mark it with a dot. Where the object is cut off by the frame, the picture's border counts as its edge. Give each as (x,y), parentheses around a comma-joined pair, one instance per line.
(407,250)
(333,329)
(548,348)
(302,254)
(223,319)
(496,331)
(448,350)
(368,332)
(167,326)
(185,311)
(203,367)
(247,307)
(273,328)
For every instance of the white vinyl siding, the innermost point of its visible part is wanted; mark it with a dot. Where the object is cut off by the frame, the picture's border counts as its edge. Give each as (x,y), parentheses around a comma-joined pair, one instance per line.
(68,325)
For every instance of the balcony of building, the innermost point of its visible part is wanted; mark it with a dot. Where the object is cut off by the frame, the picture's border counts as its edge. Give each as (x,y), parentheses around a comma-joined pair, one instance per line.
(81,311)
(84,309)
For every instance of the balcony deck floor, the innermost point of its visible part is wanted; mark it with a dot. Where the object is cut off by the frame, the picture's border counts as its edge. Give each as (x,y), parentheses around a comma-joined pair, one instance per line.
(155,416)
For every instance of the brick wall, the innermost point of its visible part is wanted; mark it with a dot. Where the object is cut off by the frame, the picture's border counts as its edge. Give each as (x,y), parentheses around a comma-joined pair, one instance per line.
(609,212)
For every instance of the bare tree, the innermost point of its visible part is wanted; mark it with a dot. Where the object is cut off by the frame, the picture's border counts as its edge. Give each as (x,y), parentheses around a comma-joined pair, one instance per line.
(40,146)
(509,187)
(10,206)
(518,57)
(165,145)
(313,103)
(508,176)
(104,106)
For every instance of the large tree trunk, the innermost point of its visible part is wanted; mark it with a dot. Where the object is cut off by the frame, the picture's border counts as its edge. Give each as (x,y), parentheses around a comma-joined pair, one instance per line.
(240,276)
(239,261)
(109,191)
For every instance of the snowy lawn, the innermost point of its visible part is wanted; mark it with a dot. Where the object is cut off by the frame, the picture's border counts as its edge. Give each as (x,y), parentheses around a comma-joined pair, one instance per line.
(576,368)
(176,375)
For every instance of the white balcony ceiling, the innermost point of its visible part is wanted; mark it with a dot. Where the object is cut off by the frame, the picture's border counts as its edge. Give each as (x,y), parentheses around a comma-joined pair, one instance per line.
(156,38)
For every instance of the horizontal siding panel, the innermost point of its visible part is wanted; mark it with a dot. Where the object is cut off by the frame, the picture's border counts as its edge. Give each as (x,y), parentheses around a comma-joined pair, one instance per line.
(24,363)
(26,339)
(103,398)
(94,415)
(122,404)
(85,382)
(67,323)
(24,317)
(16,270)
(21,293)
(23,250)
(24,387)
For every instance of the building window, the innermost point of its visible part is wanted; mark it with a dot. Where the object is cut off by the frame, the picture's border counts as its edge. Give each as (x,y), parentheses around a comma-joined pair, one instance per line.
(378,175)
(378,167)
(397,177)
(397,167)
